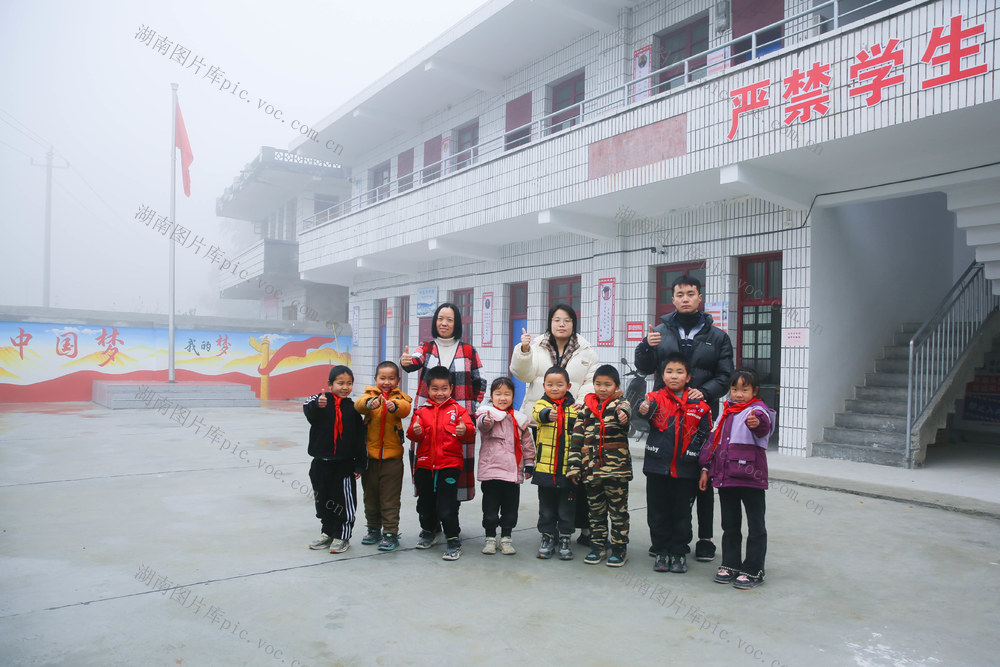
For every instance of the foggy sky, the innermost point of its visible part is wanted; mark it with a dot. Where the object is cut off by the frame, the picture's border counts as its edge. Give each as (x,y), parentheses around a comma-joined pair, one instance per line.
(74,73)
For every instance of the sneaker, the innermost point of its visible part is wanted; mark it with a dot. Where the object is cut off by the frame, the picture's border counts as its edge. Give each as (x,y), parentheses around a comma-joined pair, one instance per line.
(661,564)
(322,543)
(454,549)
(618,557)
(390,542)
(678,564)
(372,536)
(339,546)
(565,553)
(595,556)
(546,547)
(490,547)
(704,551)
(427,539)
(507,547)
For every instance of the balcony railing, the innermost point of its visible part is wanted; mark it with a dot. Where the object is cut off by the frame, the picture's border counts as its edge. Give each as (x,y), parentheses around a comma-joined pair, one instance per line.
(667,80)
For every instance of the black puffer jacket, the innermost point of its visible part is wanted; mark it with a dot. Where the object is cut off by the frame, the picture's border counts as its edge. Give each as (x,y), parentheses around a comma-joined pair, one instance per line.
(323,444)
(711,357)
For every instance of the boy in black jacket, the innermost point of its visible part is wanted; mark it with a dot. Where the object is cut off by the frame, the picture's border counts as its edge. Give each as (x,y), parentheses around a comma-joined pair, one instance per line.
(679,426)
(337,445)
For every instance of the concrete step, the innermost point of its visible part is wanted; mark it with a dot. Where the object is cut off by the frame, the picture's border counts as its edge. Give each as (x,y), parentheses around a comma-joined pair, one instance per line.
(857,436)
(869,407)
(201,402)
(123,394)
(892,365)
(903,351)
(910,326)
(886,379)
(880,393)
(884,423)
(859,453)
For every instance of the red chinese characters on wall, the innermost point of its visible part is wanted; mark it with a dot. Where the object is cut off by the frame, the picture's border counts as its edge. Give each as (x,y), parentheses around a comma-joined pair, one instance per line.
(110,344)
(873,70)
(21,341)
(66,345)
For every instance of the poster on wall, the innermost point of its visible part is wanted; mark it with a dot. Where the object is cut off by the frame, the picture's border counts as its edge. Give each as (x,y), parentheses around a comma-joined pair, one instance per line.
(719,310)
(606,312)
(718,60)
(635,331)
(445,154)
(356,325)
(642,64)
(427,298)
(487,319)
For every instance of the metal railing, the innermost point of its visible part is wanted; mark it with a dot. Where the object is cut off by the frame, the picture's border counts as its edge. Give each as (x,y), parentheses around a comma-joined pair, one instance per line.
(664,81)
(940,341)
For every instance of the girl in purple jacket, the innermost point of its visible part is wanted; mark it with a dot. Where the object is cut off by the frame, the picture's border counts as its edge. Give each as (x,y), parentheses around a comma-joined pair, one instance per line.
(736,463)
(506,450)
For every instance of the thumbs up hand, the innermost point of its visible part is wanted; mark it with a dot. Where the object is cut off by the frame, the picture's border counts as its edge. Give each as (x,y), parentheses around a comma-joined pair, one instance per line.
(622,417)
(406,359)
(321,401)
(525,340)
(752,420)
(644,407)
(417,429)
(654,337)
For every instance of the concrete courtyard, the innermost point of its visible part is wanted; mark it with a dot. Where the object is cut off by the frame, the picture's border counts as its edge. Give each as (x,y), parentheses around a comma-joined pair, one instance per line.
(131,538)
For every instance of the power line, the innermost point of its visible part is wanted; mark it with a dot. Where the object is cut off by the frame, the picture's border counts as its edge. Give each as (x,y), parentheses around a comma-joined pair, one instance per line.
(13,148)
(38,139)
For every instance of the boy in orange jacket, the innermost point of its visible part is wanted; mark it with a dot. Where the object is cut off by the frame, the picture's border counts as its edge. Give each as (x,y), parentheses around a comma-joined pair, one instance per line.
(438,428)
(383,406)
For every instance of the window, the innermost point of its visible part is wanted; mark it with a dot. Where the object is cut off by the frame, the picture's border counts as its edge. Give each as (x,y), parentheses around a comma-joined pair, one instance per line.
(518,115)
(404,170)
(677,45)
(432,159)
(758,334)
(665,277)
(378,179)
(325,207)
(382,311)
(463,299)
(467,145)
(566,95)
(750,16)
(852,10)
(565,290)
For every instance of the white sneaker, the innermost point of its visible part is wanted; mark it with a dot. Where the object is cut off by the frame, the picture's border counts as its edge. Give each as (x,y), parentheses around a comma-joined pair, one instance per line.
(339,546)
(322,543)
(491,546)
(507,547)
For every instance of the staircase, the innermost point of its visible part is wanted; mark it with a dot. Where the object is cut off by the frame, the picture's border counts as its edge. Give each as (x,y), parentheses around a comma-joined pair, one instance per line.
(872,427)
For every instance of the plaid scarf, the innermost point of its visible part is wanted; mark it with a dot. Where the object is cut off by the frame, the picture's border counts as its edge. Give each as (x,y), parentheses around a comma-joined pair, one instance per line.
(572,346)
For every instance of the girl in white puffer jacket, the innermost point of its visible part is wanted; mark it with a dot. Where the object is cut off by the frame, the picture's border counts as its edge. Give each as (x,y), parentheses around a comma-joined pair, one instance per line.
(507,449)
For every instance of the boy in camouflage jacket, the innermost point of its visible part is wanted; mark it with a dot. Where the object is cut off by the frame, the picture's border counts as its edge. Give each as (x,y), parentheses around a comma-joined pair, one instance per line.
(599,457)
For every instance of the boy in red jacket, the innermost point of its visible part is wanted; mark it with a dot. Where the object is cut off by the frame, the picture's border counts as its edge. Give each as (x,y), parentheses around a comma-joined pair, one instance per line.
(438,428)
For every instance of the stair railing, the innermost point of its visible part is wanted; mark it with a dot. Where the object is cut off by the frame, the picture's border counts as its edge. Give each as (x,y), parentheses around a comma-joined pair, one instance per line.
(940,341)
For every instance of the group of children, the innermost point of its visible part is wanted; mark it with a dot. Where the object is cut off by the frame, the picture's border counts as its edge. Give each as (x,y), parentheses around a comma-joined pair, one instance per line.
(569,448)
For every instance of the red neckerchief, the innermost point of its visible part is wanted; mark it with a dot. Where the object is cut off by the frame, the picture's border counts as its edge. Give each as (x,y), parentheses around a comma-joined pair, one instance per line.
(663,400)
(560,421)
(381,429)
(517,436)
(598,410)
(728,410)
(338,424)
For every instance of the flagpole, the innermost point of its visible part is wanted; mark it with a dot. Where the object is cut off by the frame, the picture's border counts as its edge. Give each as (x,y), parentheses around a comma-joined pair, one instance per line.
(173,220)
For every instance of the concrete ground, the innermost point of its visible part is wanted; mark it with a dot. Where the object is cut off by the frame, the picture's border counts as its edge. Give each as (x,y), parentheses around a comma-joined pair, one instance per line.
(129,538)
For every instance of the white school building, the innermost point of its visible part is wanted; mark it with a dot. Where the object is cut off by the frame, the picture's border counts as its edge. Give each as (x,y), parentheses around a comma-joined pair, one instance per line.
(830,170)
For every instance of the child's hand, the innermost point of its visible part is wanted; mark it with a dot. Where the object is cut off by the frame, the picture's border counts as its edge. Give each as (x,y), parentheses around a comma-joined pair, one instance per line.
(460,429)
(527,474)
(390,406)
(373,403)
(574,477)
(357,475)
(752,420)
(417,429)
(696,394)
(525,340)
(703,481)
(321,401)
(644,407)
(487,420)
(406,359)
(622,417)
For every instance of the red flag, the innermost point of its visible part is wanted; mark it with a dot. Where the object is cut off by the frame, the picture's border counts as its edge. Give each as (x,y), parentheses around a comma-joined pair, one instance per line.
(187,157)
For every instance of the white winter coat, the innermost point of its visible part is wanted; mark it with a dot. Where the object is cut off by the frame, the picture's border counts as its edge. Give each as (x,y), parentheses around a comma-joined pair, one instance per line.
(529,367)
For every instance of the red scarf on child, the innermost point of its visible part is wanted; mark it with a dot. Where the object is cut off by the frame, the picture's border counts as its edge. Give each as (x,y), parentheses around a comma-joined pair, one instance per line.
(517,436)
(728,410)
(663,399)
(598,410)
(560,420)
(338,423)
(384,409)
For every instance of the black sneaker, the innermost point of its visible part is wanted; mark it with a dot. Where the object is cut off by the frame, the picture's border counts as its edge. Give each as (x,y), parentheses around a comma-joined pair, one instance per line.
(546,547)
(584,540)
(652,554)
(372,536)
(661,564)
(390,542)
(678,564)
(427,539)
(618,557)
(704,551)
(454,549)
(595,556)
(565,553)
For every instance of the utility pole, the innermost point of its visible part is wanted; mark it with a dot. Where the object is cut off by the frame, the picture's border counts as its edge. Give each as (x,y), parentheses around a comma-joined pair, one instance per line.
(47,276)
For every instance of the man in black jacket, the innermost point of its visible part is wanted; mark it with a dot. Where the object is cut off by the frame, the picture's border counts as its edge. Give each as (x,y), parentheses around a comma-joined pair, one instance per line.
(710,353)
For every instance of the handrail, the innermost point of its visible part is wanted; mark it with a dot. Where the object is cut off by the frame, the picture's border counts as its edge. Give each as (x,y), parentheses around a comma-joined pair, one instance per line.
(620,96)
(940,341)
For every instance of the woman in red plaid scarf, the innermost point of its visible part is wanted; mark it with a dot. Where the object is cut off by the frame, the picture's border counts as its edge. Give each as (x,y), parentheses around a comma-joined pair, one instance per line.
(447,349)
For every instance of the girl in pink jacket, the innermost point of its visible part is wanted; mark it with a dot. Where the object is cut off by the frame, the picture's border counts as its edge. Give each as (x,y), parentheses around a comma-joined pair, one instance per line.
(507,449)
